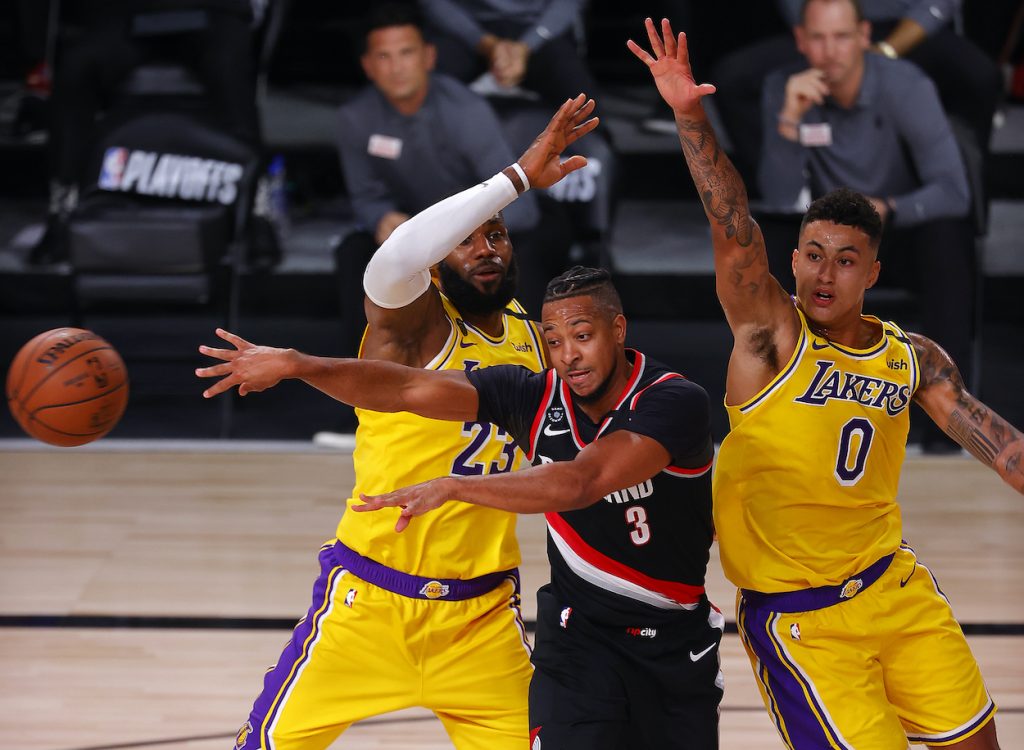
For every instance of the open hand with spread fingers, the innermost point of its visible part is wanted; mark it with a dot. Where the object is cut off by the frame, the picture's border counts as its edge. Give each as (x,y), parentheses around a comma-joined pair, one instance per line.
(414,500)
(542,161)
(252,368)
(669,63)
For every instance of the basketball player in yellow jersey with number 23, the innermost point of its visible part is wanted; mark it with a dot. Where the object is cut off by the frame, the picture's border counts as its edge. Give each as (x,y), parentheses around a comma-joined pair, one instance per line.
(852,643)
(429,618)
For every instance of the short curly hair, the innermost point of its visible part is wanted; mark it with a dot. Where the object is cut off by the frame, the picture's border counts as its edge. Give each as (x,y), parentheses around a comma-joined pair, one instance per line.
(581,280)
(847,207)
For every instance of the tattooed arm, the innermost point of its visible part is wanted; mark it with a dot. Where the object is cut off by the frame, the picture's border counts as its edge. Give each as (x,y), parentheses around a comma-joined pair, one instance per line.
(760,313)
(983,433)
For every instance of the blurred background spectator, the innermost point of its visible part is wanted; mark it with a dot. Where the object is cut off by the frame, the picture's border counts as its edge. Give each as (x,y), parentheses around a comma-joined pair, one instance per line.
(921,31)
(412,137)
(862,120)
(527,44)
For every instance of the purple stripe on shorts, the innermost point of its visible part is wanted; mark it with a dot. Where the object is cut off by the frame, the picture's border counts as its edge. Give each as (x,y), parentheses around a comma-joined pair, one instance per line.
(808,600)
(280,678)
(416,587)
(798,709)
(957,733)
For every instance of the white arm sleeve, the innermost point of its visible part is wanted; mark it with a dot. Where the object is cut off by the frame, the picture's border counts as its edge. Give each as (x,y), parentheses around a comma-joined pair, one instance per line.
(399,271)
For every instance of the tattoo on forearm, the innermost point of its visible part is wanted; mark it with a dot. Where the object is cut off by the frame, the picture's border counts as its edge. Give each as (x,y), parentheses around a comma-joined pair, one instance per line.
(986,436)
(1013,463)
(718,183)
(977,443)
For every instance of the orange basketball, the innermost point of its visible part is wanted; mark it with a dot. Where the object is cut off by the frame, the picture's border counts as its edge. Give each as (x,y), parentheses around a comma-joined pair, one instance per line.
(67,387)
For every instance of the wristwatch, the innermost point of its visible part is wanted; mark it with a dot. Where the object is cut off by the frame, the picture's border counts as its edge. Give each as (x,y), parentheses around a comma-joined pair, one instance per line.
(887,49)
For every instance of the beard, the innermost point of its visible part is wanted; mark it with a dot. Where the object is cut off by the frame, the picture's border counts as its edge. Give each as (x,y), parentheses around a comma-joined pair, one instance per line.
(470,300)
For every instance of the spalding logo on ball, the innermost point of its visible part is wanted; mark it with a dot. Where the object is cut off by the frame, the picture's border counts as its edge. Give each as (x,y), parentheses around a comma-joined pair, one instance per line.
(67,387)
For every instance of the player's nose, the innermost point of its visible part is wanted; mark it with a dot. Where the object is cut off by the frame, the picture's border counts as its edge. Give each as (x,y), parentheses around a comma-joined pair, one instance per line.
(483,246)
(568,353)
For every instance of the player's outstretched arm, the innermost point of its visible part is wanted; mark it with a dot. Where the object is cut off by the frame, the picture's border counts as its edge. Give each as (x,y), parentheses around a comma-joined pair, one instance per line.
(746,289)
(368,384)
(619,460)
(979,430)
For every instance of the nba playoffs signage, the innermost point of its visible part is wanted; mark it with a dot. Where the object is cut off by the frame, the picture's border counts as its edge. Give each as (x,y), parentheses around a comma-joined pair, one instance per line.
(190,178)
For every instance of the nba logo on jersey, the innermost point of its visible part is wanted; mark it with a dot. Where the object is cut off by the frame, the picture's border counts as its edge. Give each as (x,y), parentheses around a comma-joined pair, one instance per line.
(851,588)
(114,161)
(350,597)
(794,631)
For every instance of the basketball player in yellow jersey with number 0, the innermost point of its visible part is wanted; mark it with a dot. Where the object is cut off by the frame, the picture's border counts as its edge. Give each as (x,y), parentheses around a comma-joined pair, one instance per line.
(431,617)
(852,642)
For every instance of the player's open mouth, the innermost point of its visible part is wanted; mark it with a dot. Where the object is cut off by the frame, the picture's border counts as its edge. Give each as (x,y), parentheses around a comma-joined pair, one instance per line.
(490,272)
(577,376)
(823,298)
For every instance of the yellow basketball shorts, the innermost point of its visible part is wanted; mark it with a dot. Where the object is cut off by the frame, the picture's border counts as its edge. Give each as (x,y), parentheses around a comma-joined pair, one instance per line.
(363,650)
(883,664)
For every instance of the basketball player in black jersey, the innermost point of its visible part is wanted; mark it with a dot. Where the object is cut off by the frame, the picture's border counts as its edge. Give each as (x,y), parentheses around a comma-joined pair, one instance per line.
(627,642)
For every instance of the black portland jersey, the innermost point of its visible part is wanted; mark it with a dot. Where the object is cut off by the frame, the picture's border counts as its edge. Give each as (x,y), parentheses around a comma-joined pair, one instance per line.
(638,547)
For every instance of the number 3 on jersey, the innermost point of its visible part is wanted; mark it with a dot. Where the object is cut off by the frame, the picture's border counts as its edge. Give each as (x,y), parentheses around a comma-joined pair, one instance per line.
(854,446)
(641,533)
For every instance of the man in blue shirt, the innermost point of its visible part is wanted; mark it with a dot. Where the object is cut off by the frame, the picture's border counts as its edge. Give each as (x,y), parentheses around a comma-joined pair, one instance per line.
(413,137)
(528,43)
(920,31)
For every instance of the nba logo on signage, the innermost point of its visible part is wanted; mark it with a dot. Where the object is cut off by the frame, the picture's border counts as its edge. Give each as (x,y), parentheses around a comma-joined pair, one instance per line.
(113,168)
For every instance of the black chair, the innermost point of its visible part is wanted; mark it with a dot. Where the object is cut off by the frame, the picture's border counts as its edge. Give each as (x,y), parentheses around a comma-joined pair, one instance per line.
(165,217)
(161,227)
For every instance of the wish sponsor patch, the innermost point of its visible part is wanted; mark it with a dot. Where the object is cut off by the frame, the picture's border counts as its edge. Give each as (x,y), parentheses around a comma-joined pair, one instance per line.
(384,146)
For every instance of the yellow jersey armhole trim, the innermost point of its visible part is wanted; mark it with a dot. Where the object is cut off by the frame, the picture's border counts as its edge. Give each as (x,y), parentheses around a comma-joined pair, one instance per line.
(442,357)
(916,378)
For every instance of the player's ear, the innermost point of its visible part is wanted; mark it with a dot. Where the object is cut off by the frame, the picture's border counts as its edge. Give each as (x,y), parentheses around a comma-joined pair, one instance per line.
(619,326)
(876,268)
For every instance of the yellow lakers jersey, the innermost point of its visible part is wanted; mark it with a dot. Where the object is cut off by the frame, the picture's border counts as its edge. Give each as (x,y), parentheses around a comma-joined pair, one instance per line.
(806,480)
(395,450)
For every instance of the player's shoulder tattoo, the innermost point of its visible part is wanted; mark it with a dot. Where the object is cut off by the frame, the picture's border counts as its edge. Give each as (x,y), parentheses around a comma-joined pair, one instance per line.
(935,364)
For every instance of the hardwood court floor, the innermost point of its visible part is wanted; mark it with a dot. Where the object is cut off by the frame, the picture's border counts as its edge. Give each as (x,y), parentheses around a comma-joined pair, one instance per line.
(201,538)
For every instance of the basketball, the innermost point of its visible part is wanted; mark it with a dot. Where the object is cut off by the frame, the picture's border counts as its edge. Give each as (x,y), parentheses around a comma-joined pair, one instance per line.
(67,387)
